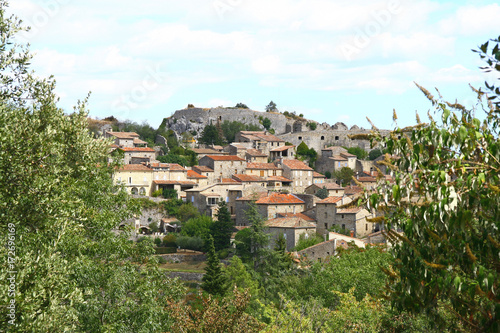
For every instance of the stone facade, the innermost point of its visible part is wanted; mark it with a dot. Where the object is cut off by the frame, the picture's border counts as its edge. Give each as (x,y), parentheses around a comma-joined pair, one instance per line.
(224,166)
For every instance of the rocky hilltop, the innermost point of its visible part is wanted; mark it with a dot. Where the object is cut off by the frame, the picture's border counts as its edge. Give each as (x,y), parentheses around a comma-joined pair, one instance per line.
(289,128)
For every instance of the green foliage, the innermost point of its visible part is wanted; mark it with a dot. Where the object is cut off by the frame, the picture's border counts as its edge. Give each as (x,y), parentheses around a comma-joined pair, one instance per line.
(73,273)
(271,107)
(230,128)
(490,53)
(241,106)
(190,243)
(213,280)
(339,230)
(375,153)
(165,250)
(187,211)
(237,276)
(450,249)
(199,226)
(258,237)
(305,242)
(169,193)
(157,193)
(303,152)
(145,131)
(360,153)
(170,240)
(344,175)
(266,122)
(222,228)
(312,126)
(328,174)
(157,241)
(171,207)
(322,193)
(174,158)
(211,135)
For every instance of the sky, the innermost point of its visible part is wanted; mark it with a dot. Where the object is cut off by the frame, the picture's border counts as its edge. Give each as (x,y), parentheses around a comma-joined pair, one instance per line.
(331,60)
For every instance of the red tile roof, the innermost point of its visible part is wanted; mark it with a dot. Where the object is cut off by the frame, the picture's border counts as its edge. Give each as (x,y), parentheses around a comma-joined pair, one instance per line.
(202,168)
(248,178)
(138,149)
(262,166)
(225,158)
(347,155)
(329,200)
(279,199)
(367,179)
(296,165)
(279,179)
(206,151)
(318,175)
(229,180)
(338,158)
(352,190)
(282,148)
(353,210)
(124,135)
(330,186)
(135,167)
(255,152)
(194,174)
(138,141)
(170,166)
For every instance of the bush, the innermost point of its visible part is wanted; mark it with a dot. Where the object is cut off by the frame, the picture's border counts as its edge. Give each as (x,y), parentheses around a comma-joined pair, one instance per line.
(328,174)
(222,254)
(312,126)
(156,193)
(169,193)
(162,260)
(157,241)
(374,154)
(170,240)
(165,250)
(311,240)
(190,243)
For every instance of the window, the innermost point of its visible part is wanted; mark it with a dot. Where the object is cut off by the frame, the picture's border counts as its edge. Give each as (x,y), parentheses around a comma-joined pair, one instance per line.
(343,226)
(336,138)
(274,172)
(322,137)
(342,215)
(326,225)
(366,227)
(212,201)
(262,173)
(300,138)
(130,180)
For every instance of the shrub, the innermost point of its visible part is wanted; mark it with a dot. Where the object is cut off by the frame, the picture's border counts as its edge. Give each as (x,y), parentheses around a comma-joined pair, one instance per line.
(165,250)
(190,243)
(156,193)
(170,240)
(328,174)
(169,193)
(162,260)
(222,254)
(157,241)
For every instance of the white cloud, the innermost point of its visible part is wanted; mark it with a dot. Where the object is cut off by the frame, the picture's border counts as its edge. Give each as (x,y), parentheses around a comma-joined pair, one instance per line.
(472,20)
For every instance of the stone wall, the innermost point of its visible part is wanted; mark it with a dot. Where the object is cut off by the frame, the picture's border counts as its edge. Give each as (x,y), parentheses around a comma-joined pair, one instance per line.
(180,257)
(319,251)
(185,276)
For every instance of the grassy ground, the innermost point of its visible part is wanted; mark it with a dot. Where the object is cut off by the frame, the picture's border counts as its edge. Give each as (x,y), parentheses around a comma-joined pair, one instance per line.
(188,266)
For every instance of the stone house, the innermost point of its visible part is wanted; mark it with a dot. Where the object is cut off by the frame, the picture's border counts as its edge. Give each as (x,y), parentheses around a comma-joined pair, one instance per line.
(367,181)
(171,176)
(206,199)
(335,158)
(279,184)
(200,180)
(255,156)
(202,152)
(334,190)
(260,140)
(224,166)
(136,178)
(252,181)
(138,155)
(263,169)
(326,211)
(268,205)
(291,228)
(282,152)
(299,173)
(126,139)
(205,171)
(239,149)
(318,178)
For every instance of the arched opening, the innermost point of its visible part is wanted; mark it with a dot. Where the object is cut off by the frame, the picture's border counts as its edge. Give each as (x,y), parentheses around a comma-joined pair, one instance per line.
(134,190)
(336,137)
(300,138)
(142,191)
(322,137)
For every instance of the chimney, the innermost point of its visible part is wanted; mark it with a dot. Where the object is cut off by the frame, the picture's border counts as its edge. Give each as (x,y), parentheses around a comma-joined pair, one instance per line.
(352,233)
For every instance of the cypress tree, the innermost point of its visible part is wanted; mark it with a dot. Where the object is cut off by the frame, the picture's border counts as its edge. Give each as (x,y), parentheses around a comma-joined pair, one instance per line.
(222,228)
(213,280)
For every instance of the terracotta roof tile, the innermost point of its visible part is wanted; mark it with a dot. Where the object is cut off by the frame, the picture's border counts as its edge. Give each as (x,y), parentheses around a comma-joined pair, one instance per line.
(225,158)
(124,135)
(352,190)
(279,179)
(229,180)
(330,186)
(202,168)
(346,155)
(367,179)
(329,200)
(318,175)
(255,152)
(353,210)
(282,148)
(194,174)
(262,166)
(206,151)
(338,158)
(135,167)
(138,149)
(296,165)
(138,141)
(174,182)
(279,199)
(248,178)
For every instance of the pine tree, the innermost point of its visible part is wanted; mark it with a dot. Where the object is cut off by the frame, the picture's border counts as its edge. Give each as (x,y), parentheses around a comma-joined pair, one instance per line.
(213,280)
(259,239)
(222,228)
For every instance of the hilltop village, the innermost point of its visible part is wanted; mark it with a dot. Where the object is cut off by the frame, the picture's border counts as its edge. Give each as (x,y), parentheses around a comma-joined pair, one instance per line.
(294,198)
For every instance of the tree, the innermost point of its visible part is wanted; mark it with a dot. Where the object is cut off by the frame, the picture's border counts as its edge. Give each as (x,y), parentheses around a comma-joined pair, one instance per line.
(360,153)
(169,193)
(241,106)
(312,126)
(59,211)
(236,275)
(213,280)
(222,228)
(322,193)
(198,226)
(266,123)
(210,135)
(304,152)
(271,107)
(374,154)
(449,252)
(344,175)
(187,211)
(230,128)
